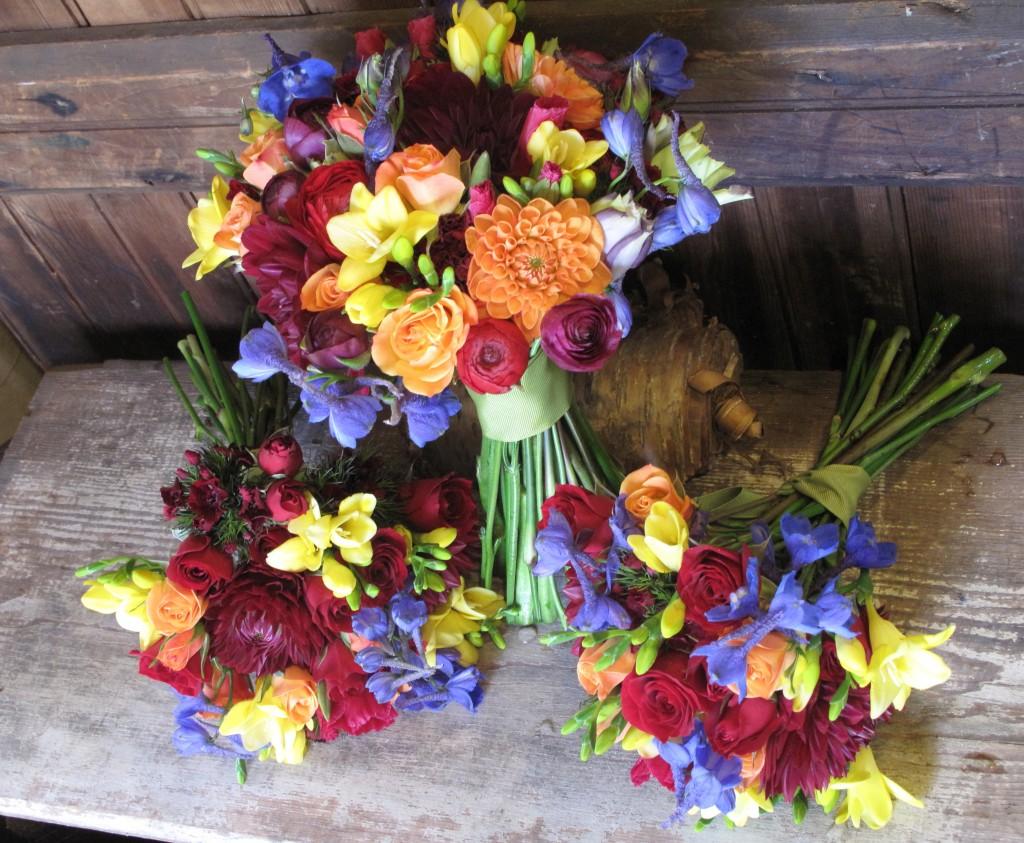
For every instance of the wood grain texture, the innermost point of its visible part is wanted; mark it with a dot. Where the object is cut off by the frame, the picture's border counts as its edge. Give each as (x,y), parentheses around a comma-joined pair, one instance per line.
(86,740)
(17,15)
(19,377)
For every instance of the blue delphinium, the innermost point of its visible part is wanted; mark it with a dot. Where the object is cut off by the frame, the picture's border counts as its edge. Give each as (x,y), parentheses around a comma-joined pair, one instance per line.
(863,550)
(293,78)
(428,416)
(350,416)
(197,735)
(662,61)
(263,354)
(806,544)
(703,779)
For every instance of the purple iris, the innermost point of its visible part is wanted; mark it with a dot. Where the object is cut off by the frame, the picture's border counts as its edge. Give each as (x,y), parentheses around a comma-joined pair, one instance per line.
(350,416)
(293,78)
(863,550)
(428,416)
(807,545)
(196,735)
(263,354)
(662,60)
(703,779)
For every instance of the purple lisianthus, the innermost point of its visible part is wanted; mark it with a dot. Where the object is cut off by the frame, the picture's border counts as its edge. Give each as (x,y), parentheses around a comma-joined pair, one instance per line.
(662,61)
(628,234)
(333,342)
(579,335)
(293,78)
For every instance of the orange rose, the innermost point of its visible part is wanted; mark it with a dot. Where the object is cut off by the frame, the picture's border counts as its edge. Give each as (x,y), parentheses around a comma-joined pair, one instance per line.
(766,663)
(421,347)
(425,179)
(220,688)
(264,158)
(179,648)
(554,78)
(236,220)
(605,681)
(173,608)
(753,763)
(647,485)
(347,120)
(296,691)
(321,290)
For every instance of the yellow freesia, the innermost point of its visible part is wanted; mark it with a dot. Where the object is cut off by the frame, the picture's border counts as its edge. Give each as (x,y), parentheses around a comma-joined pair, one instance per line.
(261,124)
(464,612)
(801,678)
(470,39)
(568,149)
(635,740)
(672,617)
(750,804)
(441,537)
(204,222)
(367,232)
(899,663)
(664,540)
(352,528)
(312,536)
(126,601)
(868,792)
(710,171)
(264,722)
(366,306)
(338,578)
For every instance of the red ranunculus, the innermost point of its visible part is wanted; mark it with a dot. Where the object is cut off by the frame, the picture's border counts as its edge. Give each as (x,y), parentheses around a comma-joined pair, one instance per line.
(332,615)
(647,768)
(206,502)
(736,728)
(325,194)
(200,566)
(388,569)
(280,454)
(370,41)
(354,710)
(423,35)
(286,499)
(587,515)
(660,702)
(186,681)
(706,578)
(494,356)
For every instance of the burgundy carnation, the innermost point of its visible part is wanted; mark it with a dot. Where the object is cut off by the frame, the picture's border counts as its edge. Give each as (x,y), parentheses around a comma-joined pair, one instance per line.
(280,454)
(388,569)
(449,249)
(706,578)
(200,566)
(660,702)
(586,513)
(325,193)
(275,253)
(494,357)
(580,334)
(259,623)
(354,710)
(332,337)
(173,497)
(206,502)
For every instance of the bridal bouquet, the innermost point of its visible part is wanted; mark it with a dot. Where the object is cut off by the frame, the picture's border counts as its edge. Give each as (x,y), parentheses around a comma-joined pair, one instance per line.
(463,204)
(734,641)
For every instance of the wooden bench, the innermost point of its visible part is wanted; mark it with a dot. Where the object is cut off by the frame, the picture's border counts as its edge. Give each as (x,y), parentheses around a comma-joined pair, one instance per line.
(85,741)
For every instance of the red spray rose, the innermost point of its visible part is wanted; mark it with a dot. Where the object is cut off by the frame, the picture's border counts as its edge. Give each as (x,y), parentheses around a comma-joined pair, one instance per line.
(286,499)
(736,728)
(439,502)
(494,357)
(354,710)
(659,702)
(325,194)
(186,681)
(280,454)
(266,542)
(707,576)
(200,566)
(587,515)
(332,615)
(580,334)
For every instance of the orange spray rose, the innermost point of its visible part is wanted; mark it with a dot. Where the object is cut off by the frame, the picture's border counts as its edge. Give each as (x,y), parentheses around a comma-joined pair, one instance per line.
(424,178)
(605,681)
(296,691)
(173,608)
(650,484)
(554,78)
(321,291)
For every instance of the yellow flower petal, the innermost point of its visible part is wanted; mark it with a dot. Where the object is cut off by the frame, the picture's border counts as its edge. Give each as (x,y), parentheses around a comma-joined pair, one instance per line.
(338,578)
(295,555)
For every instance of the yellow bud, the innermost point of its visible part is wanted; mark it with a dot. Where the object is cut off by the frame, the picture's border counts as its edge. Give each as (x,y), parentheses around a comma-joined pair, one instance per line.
(368,305)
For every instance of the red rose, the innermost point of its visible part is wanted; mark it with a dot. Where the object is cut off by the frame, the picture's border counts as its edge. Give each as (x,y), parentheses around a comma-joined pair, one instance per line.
(388,570)
(200,566)
(286,500)
(659,702)
(706,578)
(325,194)
(280,454)
(266,542)
(709,693)
(737,728)
(440,502)
(187,681)
(354,710)
(494,356)
(332,615)
(587,514)
(370,41)
(657,768)
(423,35)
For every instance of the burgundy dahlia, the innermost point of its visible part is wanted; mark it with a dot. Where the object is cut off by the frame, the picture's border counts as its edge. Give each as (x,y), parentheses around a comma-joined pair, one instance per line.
(276,253)
(260,623)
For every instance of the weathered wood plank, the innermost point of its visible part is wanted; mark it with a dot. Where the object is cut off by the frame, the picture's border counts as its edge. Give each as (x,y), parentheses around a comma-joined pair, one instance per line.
(16,15)
(111,12)
(19,377)
(75,485)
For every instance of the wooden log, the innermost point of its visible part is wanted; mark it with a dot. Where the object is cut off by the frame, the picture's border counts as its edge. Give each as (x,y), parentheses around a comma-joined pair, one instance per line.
(86,741)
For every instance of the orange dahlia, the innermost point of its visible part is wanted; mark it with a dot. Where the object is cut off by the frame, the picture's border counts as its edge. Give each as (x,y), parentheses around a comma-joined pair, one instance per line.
(554,78)
(526,259)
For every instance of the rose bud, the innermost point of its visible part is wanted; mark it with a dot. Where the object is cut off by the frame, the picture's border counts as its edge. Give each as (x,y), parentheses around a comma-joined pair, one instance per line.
(423,35)
(199,566)
(494,357)
(482,199)
(331,338)
(580,334)
(286,500)
(370,41)
(280,454)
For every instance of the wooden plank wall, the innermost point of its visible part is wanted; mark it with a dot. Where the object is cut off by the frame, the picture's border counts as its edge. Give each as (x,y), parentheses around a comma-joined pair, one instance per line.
(892,219)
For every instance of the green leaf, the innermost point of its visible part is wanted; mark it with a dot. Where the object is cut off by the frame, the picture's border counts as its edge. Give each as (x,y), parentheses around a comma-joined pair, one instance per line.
(323,699)
(838,701)
(359,362)
(734,496)
(838,488)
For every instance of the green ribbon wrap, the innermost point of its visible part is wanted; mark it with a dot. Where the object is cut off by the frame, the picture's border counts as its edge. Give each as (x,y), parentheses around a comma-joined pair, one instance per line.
(541,398)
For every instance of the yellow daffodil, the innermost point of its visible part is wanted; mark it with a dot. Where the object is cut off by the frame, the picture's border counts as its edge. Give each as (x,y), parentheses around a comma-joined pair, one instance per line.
(264,722)
(368,305)
(367,232)
(801,678)
(710,171)
(568,149)
(477,32)
(204,222)
(353,528)
(750,804)
(899,663)
(338,578)
(664,540)
(868,792)
(126,601)
(261,124)
(312,536)
(463,614)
